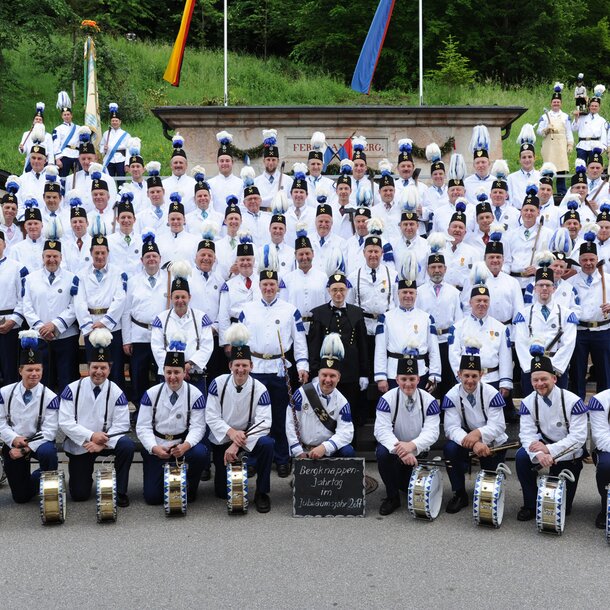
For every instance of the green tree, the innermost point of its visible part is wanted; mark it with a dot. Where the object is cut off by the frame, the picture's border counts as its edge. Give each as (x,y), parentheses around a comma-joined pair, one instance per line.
(453,67)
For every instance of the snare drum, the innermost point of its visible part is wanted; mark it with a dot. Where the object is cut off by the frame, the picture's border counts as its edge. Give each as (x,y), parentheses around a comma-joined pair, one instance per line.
(237,486)
(174,489)
(551,502)
(52,496)
(425,492)
(105,495)
(488,497)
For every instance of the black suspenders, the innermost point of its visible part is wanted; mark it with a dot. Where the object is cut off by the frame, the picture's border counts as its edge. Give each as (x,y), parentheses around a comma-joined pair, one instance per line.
(545,438)
(222,399)
(9,421)
(188,408)
(194,325)
(421,402)
(105,426)
(466,427)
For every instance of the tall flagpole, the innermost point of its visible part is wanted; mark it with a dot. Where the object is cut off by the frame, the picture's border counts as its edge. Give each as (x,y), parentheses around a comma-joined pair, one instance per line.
(421,54)
(226,94)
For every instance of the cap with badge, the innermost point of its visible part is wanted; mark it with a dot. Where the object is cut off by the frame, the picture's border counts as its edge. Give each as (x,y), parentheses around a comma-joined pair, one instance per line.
(113,110)
(540,363)
(96,170)
(531,196)
(53,233)
(460,211)
(209,231)
(279,207)
(479,142)
(572,214)
(408,364)
(385,167)
(598,93)
(134,147)
(526,139)
(237,336)
(483,206)
(407,274)
(100,339)
(405,148)
(247,175)
(358,148)
(11,187)
(345,172)
(63,102)
(52,183)
(300,179)
(560,245)
(30,344)
(457,171)
(32,211)
(375,229)
(409,201)
(174,356)
(149,244)
(332,352)
(97,230)
(270,149)
(77,210)
(548,171)
(544,260)
(478,277)
(500,170)
(178,146)
(175,204)
(198,174)
(335,269)
(604,212)
(181,271)
(85,146)
(471,359)
(436,243)
(588,246)
(245,247)
(318,145)
(224,139)
(270,264)
(580,173)
(232,206)
(38,135)
(153,169)
(434,155)
(125,204)
(301,241)
(595,156)
(557,89)
(494,245)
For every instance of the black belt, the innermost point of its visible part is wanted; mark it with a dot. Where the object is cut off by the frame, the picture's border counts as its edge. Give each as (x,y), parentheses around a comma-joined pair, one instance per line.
(493,370)
(141,324)
(593,324)
(7,312)
(170,437)
(519,274)
(371,316)
(423,357)
(589,139)
(444,331)
(100,311)
(507,323)
(266,356)
(234,320)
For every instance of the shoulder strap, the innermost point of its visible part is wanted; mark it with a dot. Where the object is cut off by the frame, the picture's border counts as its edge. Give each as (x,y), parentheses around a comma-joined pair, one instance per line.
(40,410)
(154,412)
(387,270)
(196,327)
(222,394)
(358,287)
(9,421)
(314,400)
(421,402)
(105,427)
(396,407)
(188,407)
(80,381)
(250,422)
(464,422)
(165,325)
(482,403)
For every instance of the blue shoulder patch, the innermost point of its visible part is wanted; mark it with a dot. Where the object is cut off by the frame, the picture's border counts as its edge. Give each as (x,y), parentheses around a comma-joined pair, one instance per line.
(518,318)
(145,400)
(297,400)
(282,285)
(346,414)
(121,401)
(205,321)
(157,323)
(67,394)
(23,271)
(433,408)
(54,404)
(224,288)
(383,406)
(579,408)
(497,401)
(595,405)
(572,319)
(200,403)
(523,410)
(447,404)
(265,399)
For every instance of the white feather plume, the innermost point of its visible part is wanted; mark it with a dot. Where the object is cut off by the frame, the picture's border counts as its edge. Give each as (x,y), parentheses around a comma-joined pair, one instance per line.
(332,347)
(53,229)
(433,152)
(237,334)
(472,342)
(500,169)
(318,140)
(181,269)
(280,204)
(299,168)
(480,138)
(548,169)
(100,337)
(543,258)
(334,262)
(409,266)
(527,134)
(436,241)
(479,273)
(38,133)
(153,166)
(384,166)
(374,225)
(457,167)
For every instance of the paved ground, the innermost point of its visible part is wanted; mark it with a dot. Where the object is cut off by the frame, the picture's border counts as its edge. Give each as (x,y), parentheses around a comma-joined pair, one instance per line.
(211,559)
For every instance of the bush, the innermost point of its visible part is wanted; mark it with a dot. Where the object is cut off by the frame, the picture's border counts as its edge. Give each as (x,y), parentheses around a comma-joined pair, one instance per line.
(453,67)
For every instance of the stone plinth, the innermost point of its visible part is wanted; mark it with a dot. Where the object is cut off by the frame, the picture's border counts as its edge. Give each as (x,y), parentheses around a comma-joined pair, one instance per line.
(383,126)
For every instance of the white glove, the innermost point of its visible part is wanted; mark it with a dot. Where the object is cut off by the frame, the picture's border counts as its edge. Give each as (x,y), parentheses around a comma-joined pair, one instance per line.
(364,383)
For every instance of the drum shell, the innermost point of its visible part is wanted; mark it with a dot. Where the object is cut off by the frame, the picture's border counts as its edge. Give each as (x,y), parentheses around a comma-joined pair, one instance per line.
(106,495)
(425,492)
(550,504)
(237,487)
(488,498)
(52,496)
(174,489)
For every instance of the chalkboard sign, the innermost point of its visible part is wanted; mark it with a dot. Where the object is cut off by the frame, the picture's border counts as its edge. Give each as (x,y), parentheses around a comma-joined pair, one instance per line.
(328,487)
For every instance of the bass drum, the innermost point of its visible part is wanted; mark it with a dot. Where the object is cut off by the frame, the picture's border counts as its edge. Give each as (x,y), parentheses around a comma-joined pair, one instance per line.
(52,496)
(237,487)
(551,502)
(425,492)
(488,497)
(174,489)
(105,495)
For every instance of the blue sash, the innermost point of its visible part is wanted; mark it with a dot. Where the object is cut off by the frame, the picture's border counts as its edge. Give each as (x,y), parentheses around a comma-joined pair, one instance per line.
(114,149)
(67,140)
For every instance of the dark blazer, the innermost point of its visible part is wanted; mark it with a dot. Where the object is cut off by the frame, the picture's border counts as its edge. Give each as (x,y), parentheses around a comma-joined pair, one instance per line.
(352,329)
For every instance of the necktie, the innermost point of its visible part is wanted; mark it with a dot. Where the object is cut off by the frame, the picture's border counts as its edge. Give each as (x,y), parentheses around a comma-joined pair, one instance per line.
(248,283)
(326,398)
(527,174)
(337,310)
(206,275)
(547,401)
(485,238)
(439,190)
(481,322)
(79,243)
(498,213)
(408,242)
(53,214)
(152,280)
(96,390)
(277,247)
(374,275)
(233,243)
(297,212)
(437,289)
(360,240)
(98,275)
(204,214)
(410,403)
(173,398)
(471,399)
(405,182)
(342,211)
(589,280)
(591,184)
(271,179)
(545,312)
(51,277)
(27,396)
(322,240)
(527,233)
(127,239)
(37,175)
(158,212)
(10,230)
(388,206)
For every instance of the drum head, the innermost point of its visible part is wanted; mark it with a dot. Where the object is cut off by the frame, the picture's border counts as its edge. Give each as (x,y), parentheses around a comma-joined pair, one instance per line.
(499,512)
(174,489)
(425,492)
(608,517)
(106,495)
(436,493)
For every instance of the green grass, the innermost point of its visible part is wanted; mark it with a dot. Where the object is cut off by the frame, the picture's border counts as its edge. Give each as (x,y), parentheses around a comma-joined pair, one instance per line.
(252,81)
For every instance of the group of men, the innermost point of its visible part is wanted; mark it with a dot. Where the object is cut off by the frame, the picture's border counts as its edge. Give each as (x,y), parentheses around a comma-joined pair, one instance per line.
(174,274)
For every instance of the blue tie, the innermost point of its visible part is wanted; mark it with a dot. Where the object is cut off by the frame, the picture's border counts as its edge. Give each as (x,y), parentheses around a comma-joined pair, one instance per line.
(545,312)
(173,398)
(405,182)
(98,275)
(271,179)
(471,399)
(158,212)
(152,280)
(589,280)
(321,241)
(97,390)
(27,396)
(204,214)
(374,275)
(206,275)
(547,401)
(51,277)
(360,240)
(498,213)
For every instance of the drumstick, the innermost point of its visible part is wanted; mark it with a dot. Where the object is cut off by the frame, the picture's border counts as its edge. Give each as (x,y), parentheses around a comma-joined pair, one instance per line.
(499,448)
(35,437)
(539,467)
(439,462)
(251,428)
(118,433)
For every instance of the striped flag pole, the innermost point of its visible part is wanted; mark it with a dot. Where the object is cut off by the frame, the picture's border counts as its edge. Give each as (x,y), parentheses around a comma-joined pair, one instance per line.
(371,49)
(174,65)
(92,105)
